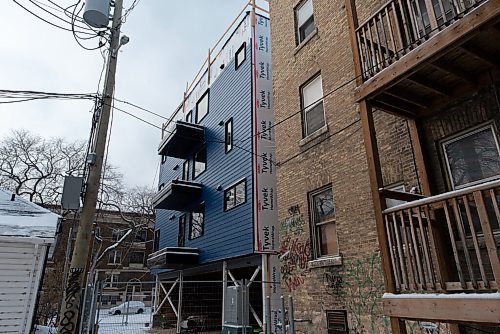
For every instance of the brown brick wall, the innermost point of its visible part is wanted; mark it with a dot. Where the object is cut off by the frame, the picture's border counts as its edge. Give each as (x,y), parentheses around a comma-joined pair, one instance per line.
(336,157)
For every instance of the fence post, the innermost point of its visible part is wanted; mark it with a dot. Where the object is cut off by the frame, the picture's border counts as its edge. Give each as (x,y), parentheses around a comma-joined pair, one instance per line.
(291,319)
(283,318)
(179,305)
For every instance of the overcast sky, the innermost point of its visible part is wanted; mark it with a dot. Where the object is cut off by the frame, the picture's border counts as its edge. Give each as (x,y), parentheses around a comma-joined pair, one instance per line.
(169,41)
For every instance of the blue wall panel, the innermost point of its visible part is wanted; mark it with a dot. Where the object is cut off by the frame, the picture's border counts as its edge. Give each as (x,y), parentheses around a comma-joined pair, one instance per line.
(226,234)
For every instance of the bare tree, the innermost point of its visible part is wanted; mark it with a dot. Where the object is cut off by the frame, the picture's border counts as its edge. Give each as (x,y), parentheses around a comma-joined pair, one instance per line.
(35,167)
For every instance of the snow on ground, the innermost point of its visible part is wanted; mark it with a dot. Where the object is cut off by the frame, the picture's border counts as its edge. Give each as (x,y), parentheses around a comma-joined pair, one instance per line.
(135,324)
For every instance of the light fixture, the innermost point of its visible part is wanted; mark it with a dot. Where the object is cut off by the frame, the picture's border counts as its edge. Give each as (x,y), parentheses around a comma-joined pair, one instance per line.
(219,188)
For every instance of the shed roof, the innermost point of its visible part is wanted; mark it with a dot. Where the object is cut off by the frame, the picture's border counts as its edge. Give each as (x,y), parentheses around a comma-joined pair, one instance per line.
(22,218)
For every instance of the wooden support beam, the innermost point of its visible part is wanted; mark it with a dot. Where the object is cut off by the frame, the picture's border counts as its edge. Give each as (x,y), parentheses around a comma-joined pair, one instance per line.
(400,112)
(480,55)
(411,98)
(375,173)
(397,102)
(448,39)
(447,308)
(429,85)
(453,70)
(419,158)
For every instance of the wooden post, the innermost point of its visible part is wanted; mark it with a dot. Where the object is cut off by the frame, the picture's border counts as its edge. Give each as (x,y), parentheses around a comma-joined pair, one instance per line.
(352,22)
(376,183)
(419,158)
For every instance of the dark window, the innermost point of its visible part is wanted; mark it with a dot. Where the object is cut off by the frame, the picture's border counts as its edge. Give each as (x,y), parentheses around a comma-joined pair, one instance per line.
(156,243)
(189,116)
(304,20)
(111,282)
(313,115)
(241,55)
(235,195)
(182,231)
(197,222)
(336,322)
(141,236)
(163,159)
(200,162)
(202,108)
(228,137)
(323,224)
(137,257)
(473,157)
(185,170)
(115,257)
(116,234)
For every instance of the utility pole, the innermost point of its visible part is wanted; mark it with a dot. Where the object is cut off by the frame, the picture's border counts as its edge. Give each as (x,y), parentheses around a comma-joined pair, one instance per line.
(70,311)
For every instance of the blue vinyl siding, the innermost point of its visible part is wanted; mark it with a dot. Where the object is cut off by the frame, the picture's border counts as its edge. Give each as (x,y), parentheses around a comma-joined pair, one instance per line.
(226,234)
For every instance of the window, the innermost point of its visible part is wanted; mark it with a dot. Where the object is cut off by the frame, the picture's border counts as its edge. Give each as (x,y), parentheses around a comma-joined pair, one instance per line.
(182,231)
(116,234)
(228,137)
(163,159)
(304,20)
(241,55)
(111,282)
(115,257)
(137,257)
(235,195)
(197,222)
(336,322)
(200,162)
(323,227)
(185,170)
(189,117)
(390,202)
(473,157)
(313,115)
(156,243)
(202,108)
(141,236)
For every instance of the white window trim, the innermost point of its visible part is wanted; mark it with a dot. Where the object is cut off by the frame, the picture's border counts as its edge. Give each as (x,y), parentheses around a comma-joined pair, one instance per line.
(234,186)
(297,26)
(465,134)
(306,109)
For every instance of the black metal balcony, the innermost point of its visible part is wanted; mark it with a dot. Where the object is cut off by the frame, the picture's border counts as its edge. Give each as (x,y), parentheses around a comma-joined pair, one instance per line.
(181,139)
(174,258)
(177,195)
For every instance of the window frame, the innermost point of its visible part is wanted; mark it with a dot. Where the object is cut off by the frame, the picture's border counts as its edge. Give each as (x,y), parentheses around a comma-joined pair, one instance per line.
(114,253)
(156,240)
(305,109)
(207,96)
(461,135)
(111,283)
(228,135)
(233,186)
(298,39)
(201,207)
(141,240)
(117,234)
(189,116)
(204,148)
(317,224)
(185,170)
(143,257)
(183,232)
(242,48)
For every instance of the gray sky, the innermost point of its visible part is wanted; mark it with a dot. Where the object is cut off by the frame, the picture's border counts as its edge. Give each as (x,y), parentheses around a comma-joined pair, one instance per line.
(169,41)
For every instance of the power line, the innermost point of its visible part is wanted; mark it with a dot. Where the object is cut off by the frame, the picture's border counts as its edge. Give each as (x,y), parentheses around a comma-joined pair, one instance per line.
(141,108)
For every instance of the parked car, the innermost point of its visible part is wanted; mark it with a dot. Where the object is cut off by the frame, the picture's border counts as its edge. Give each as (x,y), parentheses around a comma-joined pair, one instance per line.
(128,307)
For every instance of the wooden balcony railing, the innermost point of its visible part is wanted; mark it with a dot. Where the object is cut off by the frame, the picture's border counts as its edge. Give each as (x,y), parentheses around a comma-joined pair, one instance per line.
(448,242)
(401,25)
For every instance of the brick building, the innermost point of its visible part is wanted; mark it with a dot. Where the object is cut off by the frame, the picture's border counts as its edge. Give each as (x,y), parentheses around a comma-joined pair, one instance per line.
(374,100)
(126,264)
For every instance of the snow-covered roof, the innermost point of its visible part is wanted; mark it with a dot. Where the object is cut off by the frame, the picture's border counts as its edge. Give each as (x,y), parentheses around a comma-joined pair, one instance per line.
(22,218)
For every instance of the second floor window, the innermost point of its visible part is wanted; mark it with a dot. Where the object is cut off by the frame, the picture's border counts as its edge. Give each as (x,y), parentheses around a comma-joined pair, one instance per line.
(156,243)
(235,195)
(185,170)
(137,257)
(197,222)
(141,236)
(228,138)
(313,113)
(200,162)
(116,234)
(111,281)
(304,20)
(323,227)
(115,257)
(202,108)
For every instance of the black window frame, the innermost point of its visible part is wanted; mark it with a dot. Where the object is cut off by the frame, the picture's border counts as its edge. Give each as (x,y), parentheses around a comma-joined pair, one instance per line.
(197,118)
(113,254)
(156,241)
(201,210)
(242,48)
(185,170)
(300,35)
(204,148)
(228,135)
(233,188)
(137,252)
(189,117)
(317,223)
(163,159)
(181,233)
(141,236)
(306,108)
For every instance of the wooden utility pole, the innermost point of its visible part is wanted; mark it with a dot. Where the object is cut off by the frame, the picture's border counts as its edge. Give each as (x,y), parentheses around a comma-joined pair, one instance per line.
(70,310)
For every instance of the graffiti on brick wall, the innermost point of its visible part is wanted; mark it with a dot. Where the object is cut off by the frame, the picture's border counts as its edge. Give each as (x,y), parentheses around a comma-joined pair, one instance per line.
(333,280)
(295,249)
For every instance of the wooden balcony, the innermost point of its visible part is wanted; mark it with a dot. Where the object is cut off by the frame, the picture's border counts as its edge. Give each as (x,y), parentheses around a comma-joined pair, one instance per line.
(417,55)
(442,245)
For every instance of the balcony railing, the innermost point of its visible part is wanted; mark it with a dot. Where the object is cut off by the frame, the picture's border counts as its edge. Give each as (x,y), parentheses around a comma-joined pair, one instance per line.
(449,242)
(401,25)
